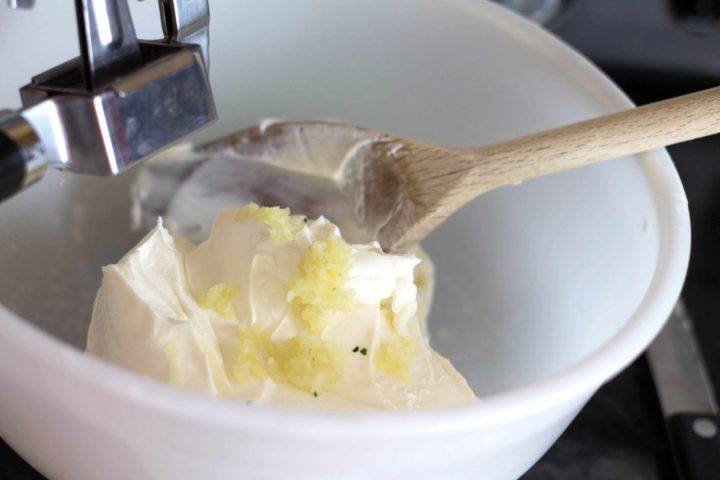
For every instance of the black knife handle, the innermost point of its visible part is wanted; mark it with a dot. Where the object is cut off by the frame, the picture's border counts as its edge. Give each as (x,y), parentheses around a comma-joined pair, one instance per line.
(695,440)
(12,166)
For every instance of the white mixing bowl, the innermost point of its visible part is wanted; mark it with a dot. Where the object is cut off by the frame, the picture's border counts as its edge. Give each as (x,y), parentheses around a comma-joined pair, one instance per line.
(544,290)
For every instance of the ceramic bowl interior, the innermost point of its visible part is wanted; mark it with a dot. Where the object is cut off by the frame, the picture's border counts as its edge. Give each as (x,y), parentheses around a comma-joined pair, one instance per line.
(531,279)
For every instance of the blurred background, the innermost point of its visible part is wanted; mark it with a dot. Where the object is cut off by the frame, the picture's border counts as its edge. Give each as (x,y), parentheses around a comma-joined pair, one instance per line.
(653,49)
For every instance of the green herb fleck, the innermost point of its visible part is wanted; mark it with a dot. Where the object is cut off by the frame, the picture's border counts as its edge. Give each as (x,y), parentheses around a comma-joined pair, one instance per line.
(305,219)
(315,394)
(356,349)
(363,351)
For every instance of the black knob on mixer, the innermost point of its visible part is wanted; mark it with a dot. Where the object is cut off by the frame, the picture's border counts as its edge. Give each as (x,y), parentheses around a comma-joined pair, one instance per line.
(12,166)
(22,161)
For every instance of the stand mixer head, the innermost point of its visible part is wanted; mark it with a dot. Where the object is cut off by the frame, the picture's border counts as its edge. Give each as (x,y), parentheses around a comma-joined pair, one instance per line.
(121,101)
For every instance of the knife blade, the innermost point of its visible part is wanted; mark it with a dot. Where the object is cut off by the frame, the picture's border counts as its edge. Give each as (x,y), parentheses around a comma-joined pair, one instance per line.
(686,398)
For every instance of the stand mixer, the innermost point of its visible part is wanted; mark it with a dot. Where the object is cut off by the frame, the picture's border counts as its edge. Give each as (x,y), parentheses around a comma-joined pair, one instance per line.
(120,101)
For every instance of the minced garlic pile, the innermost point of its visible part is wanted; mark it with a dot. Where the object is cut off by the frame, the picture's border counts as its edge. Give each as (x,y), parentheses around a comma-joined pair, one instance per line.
(306,361)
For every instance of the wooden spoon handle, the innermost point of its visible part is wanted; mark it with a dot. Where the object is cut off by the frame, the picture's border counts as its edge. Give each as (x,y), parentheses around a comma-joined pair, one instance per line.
(623,133)
(439,181)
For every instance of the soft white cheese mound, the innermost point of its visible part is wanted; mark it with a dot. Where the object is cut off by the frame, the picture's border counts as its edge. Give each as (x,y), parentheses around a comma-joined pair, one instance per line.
(274,309)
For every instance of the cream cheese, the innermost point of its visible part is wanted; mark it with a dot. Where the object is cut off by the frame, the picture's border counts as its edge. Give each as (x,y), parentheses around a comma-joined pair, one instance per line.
(273,309)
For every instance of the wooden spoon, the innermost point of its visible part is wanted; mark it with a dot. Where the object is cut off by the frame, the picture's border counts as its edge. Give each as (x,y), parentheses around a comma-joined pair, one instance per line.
(404,188)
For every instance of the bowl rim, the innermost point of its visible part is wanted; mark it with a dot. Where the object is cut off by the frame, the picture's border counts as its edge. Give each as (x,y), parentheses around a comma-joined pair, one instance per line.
(575,383)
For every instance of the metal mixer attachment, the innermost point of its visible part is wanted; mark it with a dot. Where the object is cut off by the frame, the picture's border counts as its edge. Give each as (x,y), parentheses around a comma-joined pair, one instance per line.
(121,101)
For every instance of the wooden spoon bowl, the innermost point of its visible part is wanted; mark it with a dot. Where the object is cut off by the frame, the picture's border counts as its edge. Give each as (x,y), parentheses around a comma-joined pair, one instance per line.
(401,188)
